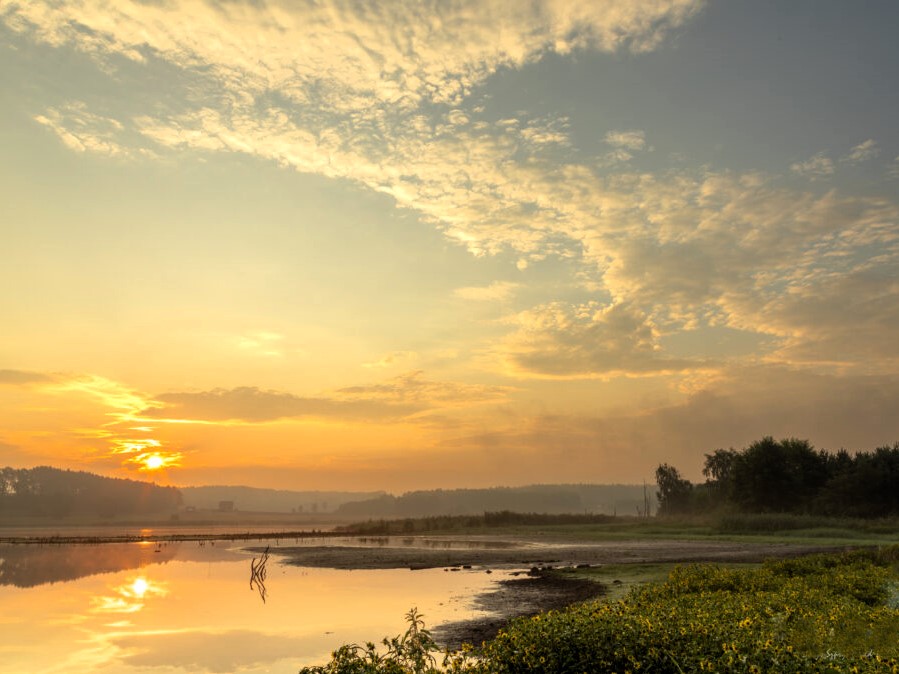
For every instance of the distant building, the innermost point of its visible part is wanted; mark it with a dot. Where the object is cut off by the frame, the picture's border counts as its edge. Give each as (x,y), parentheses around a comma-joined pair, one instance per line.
(226,506)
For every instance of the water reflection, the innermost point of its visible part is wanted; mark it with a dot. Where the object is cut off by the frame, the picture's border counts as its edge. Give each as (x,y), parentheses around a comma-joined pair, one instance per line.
(258,572)
(186,609)
(31,565)
(129,597)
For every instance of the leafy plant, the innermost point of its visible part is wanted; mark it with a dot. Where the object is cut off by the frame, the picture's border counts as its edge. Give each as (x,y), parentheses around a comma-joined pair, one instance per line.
(409,653)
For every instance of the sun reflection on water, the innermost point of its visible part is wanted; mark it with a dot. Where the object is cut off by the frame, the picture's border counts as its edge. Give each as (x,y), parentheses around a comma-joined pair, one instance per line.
(129,597)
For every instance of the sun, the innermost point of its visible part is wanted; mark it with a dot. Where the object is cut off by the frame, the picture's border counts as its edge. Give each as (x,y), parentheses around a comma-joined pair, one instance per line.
(154,462)
(139,587)
(150,462)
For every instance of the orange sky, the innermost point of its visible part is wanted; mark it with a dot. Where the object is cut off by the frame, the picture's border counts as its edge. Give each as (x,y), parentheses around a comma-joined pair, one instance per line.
(304,245)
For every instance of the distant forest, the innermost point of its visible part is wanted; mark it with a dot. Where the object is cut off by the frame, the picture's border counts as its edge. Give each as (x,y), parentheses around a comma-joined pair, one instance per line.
(550,499)
(271,500)
(56,494)
(787,476)
(51,492)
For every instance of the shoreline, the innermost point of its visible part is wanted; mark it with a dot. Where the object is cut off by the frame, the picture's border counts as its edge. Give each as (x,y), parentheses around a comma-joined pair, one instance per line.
(517,598)
(519,552)
(542,589)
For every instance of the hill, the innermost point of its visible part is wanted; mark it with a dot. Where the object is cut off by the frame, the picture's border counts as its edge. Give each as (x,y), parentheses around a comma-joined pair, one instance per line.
(621,499)
(272,500)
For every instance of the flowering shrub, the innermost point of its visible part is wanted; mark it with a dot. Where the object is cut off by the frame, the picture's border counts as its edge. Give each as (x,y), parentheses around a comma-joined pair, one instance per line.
(817,614)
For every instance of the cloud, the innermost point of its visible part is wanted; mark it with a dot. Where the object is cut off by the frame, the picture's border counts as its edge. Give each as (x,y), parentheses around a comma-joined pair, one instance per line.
(585,341)
(122,441)
(23,377)
(733,407)
(893,169)
(628,140)
(336,54)
(253,405)
(368,94)
(127,403)
(862,152)
(267,344)
(742,405)
(496,291)
(815,167)
(84,131)
(400,397)
(414,388)
(392,358)
(722,249)
(388,97)
(845,319)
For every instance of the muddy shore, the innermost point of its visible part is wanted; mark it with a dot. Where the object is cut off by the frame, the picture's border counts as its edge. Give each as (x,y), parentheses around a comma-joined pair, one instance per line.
(514,598)
(433,552)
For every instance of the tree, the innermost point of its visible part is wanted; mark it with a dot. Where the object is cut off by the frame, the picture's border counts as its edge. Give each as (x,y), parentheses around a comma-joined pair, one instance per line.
(674,491)
(771,476)
(718,472)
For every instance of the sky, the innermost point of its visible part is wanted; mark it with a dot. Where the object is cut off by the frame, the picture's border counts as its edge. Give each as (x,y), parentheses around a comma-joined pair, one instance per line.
(430,244)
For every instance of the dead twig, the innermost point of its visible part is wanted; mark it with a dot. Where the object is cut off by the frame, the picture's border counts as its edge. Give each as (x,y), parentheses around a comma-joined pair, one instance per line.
(257,575)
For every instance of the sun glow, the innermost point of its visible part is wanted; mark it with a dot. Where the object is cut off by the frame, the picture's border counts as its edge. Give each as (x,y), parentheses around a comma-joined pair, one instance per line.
(139,587)
(129,597)
(154,462)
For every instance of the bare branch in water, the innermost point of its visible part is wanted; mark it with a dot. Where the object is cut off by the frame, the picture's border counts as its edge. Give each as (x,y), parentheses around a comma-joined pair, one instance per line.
(257,575)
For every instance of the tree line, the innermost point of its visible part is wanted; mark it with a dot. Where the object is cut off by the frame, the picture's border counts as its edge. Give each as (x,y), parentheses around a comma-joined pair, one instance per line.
(52,492)
(787,476)
(553,499)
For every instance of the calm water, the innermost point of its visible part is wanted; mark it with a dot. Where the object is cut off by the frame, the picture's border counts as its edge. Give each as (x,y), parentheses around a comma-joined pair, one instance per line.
(183,607)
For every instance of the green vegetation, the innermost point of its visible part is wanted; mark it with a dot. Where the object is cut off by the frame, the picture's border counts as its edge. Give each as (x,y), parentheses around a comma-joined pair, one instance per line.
(468,523)
(758,527)
(824,613)
(788,476)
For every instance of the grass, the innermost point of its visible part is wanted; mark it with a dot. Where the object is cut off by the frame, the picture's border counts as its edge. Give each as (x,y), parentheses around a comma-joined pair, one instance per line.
(763,528)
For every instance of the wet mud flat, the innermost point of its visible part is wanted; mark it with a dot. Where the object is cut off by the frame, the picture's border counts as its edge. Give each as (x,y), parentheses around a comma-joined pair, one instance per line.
(517,597)
(525,553)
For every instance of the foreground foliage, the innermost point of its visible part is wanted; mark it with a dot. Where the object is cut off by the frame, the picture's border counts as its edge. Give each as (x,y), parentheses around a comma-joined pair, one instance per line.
(823,613)
(412,653)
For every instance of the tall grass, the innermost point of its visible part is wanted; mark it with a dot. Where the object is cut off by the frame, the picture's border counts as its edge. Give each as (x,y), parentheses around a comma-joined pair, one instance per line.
(737,523)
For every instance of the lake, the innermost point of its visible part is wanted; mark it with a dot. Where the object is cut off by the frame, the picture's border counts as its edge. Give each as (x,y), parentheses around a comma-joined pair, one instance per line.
(184,607)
